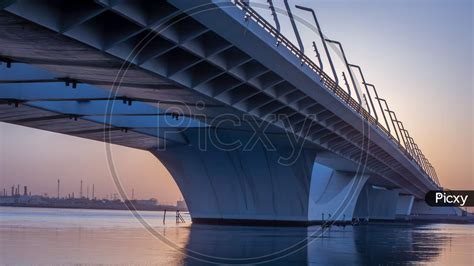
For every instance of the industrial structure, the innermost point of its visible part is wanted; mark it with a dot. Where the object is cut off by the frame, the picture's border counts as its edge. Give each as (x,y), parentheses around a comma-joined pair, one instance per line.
(251,129)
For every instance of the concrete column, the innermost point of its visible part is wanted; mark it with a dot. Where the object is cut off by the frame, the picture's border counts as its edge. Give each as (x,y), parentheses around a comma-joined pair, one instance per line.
(333,194)
(250,186)
(240,186)
(421,208)
(404,204)
(376,203)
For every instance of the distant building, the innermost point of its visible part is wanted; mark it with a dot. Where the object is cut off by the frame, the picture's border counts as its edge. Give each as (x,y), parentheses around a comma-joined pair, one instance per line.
(7,200)
(148,202)
(181,205)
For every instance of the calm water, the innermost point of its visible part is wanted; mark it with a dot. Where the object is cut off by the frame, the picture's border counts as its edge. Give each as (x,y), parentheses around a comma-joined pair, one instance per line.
(65,236)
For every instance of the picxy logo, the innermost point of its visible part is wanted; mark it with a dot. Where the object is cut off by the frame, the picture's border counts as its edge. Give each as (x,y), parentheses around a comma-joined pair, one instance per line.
(453,198)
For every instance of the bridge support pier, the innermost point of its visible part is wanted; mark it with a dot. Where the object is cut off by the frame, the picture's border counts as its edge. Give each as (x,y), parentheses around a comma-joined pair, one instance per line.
(333,194)
(376,203)
(421,208)
(404,204)
(254,186)
(238,186)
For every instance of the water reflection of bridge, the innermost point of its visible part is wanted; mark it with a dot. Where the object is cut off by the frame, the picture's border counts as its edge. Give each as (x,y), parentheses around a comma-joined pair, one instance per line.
(362,245)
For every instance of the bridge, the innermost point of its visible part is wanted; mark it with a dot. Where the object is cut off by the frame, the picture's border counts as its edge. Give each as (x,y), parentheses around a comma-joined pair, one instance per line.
(251,129)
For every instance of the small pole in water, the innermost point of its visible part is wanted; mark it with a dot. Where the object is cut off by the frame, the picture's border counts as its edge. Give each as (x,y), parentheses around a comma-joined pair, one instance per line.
(164,217)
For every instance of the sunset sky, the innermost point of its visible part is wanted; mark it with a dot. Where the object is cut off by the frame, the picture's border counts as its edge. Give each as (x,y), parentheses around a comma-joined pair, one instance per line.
(418,53)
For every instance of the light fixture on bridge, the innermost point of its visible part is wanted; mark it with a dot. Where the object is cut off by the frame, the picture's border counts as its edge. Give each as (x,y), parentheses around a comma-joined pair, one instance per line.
(126,100)
(16,103)
(175,115)
(7,61)
(72,82)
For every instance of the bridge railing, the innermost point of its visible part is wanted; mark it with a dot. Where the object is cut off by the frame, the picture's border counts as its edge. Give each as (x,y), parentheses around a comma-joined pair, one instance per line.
(328,82)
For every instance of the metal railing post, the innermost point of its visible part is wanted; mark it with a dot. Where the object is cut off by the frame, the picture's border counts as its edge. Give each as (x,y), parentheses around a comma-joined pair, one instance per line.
(318,55)
(274,15)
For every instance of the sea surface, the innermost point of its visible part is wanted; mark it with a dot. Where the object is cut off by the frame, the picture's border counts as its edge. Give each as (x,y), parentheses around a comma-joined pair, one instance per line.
(31,236)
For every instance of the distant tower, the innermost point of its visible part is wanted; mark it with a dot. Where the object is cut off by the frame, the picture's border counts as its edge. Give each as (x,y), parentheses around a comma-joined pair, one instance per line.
(18,189)
(13,191)
(58,188)
(25,190)
(93,188)
(80,191)
(87,192)
(133,192)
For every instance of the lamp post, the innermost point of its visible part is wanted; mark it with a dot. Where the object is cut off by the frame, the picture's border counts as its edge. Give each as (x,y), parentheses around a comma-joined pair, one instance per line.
(321,35)
(418,158)
(422,157)
(393,123)
(293,25)
(405,132)
(380,105)
(366,89)
(397,122)
(348,68)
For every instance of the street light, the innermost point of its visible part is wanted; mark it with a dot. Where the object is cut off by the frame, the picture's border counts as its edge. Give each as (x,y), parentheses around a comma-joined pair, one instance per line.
(321,35)
(293,24)
(405,132)
(380,105)
(348,69)
(398,124)
(366,89)
(418,157)
(393,123)
(423,158)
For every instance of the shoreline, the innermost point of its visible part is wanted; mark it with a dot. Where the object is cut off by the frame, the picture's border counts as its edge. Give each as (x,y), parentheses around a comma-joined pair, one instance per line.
(412,219)
(113,208)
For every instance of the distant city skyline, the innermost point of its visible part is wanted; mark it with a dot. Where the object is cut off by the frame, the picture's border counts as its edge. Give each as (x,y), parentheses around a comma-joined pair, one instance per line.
(82,160)
(418,53)
(88,192)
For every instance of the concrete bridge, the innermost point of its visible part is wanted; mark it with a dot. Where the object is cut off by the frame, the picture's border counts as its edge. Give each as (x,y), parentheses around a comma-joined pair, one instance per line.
(250,128)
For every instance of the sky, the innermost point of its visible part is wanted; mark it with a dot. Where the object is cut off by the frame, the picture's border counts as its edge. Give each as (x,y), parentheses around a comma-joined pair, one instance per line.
(417,53)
